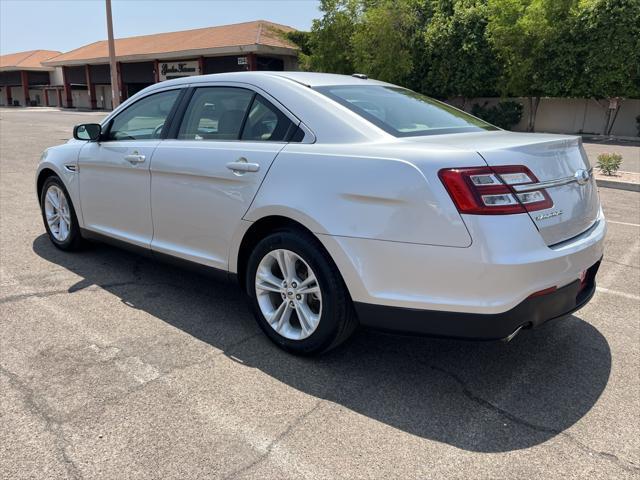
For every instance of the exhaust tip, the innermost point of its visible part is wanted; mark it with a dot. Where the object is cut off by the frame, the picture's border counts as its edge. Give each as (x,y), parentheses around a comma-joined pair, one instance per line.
(508,338)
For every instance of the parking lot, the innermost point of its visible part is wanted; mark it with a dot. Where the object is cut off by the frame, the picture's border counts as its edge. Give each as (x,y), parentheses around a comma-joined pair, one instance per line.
(113,366)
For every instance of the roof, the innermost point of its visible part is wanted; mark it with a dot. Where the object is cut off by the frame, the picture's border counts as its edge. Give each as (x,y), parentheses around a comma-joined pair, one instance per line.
(307,79)
(259,35)
(30,60)
(317,79)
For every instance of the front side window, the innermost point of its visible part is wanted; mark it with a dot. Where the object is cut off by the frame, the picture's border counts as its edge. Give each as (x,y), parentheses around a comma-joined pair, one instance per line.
(230,113)
(402,112)
(144,119)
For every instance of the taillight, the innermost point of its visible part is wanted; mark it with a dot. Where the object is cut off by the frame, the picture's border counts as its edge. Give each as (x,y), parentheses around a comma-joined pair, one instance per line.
(487,190)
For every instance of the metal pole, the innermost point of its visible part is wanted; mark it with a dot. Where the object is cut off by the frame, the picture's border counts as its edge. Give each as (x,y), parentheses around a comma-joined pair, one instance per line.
(115,87)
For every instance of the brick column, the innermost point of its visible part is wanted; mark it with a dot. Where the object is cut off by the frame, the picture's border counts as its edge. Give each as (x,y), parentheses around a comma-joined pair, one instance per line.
(91,88)
(9,97)
(24,79)
(252,60)
(156,70)
(45,94)
(201,65)
(59,93)
(67,88)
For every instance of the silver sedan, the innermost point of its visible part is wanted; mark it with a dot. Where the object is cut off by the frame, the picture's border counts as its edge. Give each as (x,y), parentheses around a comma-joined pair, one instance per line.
(337,201)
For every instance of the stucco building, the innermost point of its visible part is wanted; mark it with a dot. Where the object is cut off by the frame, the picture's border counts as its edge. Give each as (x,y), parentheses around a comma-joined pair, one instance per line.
(81,78)
(25,81)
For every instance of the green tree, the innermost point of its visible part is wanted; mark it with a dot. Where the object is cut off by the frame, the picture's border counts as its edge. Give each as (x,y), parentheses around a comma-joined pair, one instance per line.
(533,41)
(330,38)
(303,41)
(608,33)
(459,59)
(382,40)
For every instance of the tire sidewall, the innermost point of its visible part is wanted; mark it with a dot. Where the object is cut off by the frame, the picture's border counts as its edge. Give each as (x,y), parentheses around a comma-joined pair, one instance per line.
(329,325)
(74,232)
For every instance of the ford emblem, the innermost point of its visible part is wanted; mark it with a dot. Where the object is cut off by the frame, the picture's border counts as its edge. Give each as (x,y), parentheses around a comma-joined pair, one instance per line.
(581,176)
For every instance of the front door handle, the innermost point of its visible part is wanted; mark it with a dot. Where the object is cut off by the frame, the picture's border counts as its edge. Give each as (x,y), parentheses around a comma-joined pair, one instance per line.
(135,158)
(242,166)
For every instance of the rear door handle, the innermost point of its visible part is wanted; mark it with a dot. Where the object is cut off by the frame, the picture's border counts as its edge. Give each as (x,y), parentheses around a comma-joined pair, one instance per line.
(242,166)
(135,158)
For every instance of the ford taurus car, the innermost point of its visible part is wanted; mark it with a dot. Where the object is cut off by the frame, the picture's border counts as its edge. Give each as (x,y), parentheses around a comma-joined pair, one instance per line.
(337,201)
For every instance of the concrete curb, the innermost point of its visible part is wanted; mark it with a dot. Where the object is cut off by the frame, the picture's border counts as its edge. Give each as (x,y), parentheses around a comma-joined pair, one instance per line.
(631,187)
(608,138)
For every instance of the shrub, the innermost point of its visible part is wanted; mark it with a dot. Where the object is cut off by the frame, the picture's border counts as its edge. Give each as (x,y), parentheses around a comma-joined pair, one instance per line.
(504,114)
(609,163)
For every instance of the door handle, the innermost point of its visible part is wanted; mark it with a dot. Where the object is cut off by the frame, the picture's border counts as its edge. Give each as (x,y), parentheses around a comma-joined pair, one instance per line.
(135,158)
(242,166)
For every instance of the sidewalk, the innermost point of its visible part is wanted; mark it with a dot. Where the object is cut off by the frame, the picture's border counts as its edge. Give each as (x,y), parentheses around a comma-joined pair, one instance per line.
(629,150)
(628,178)
(621,180)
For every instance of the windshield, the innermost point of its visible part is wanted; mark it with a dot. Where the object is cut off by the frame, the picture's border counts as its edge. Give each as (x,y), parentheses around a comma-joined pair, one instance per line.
(401,112)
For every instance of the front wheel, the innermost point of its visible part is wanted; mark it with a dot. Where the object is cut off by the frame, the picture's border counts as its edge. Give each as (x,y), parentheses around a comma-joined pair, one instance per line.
(297,294)
(59,215)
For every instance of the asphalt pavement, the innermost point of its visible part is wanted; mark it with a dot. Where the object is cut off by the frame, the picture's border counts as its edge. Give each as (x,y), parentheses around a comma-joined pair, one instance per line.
(114,366)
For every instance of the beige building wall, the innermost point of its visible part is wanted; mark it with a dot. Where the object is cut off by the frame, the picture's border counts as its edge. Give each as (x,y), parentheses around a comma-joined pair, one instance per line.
(55,77)
(80,99)
(17,94)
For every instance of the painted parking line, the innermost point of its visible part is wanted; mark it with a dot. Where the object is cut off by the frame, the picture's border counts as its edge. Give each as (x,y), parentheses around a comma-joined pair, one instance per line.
(618,293)
(610,275)
(624,223)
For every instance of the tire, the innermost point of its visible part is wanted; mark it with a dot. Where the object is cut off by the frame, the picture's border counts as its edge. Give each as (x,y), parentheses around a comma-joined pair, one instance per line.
(332,305)
(72,240)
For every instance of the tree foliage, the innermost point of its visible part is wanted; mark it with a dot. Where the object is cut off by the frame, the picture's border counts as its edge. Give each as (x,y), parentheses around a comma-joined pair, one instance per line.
(504,114)
(609,63)
(470,48)
(330,39)
(459,59)
(532,39)
(381,42)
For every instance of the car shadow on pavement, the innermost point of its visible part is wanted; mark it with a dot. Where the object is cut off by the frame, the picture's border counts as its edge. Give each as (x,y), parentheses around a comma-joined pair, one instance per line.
(477,396)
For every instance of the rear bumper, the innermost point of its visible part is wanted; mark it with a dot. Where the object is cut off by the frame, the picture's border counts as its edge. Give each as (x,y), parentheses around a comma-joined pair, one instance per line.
(532,312)
(507,262)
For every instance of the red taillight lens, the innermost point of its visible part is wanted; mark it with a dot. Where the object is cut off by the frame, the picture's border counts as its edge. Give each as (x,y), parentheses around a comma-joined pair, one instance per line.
(487,190)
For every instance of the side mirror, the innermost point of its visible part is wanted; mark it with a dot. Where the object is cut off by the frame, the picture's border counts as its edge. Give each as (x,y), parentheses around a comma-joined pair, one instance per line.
(87,131)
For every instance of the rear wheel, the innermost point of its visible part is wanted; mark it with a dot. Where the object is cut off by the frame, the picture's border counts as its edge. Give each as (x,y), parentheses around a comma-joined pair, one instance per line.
(297,294)
(59,215)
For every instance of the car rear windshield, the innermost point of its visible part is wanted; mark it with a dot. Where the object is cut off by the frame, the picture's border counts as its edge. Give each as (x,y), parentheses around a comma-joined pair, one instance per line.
(401,112)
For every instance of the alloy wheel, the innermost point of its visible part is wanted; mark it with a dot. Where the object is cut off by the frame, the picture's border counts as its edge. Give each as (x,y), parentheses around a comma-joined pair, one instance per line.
(288,294)
(57,213)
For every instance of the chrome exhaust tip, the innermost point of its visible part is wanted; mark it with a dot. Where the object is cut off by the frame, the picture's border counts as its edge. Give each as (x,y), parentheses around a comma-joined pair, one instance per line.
(508,338)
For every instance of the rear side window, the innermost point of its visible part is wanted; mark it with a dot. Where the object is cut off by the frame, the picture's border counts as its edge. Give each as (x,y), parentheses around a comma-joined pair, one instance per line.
(144,119)
(229,113)
(402,112)
(216,113)
(266,122)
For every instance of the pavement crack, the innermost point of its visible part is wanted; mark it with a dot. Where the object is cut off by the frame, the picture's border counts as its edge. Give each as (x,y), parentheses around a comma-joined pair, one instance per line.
(607,260)
(269,449)
(474,397)
(24,296)
(103,404)
(50,293)
(82,287)
(51,425)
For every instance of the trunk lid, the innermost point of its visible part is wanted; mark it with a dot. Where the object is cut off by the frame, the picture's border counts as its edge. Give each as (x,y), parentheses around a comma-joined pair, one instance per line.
(557,159)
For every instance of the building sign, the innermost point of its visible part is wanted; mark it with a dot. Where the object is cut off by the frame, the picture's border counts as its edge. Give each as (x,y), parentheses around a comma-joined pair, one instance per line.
(169,70)
(242,61)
